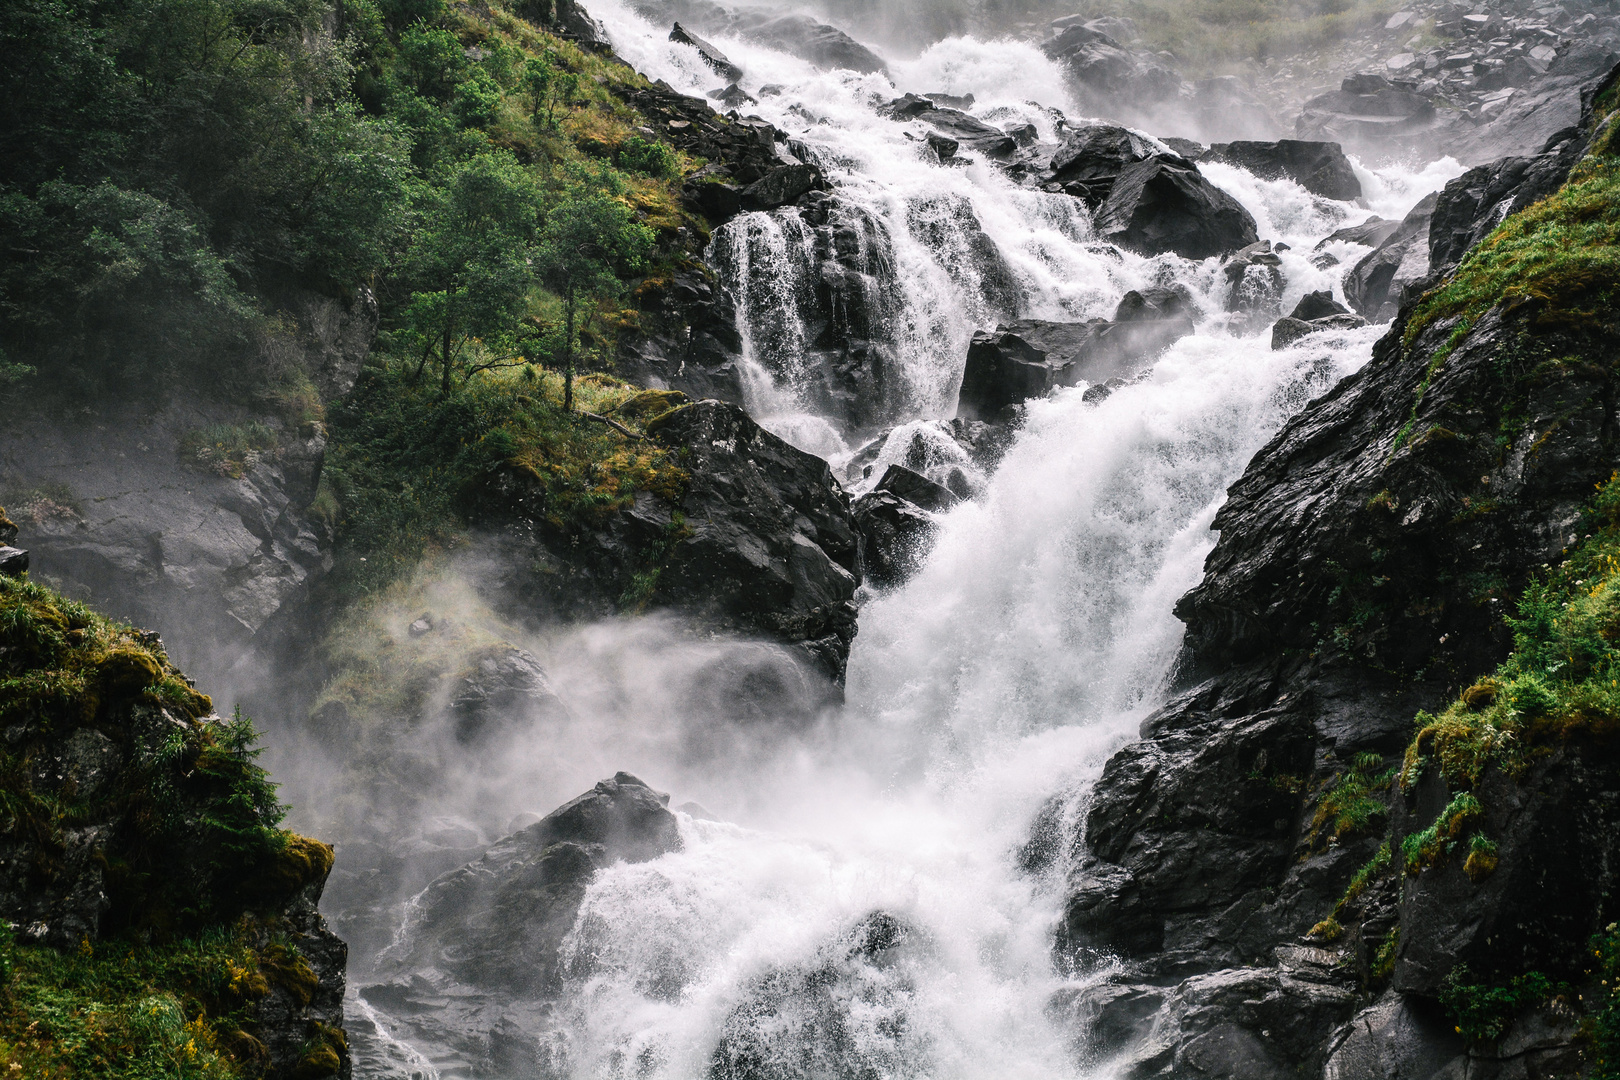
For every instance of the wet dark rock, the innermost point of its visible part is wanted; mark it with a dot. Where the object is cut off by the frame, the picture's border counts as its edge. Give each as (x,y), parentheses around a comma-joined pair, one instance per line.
(496,924)
(843,1012)
(1476,202)
(504,688)
(1372,232)
(710,54)
(1255,285)
(760,543)
(1363,564)
(733,97)
(944,149)
(1319,167)
(687,338)
(827,47)
(967,131)
(916,489)
(1375,286)
(1285,332)
(1028,358)
(1317,305)
(1004,369)
(1091,159)
(13,561)
(1397,1037)
(897,535)
(781,186)
(772,546)
(1315,312)
(1163,204)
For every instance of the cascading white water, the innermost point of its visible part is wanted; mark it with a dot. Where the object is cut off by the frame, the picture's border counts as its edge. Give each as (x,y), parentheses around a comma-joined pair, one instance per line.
(1025,650)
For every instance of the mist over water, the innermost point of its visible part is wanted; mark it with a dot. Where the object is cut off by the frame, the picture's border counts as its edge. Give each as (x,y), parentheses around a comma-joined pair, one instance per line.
(1027,648)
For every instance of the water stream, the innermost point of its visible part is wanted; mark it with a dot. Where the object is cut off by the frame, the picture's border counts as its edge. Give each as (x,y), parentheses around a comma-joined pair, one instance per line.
(1029,646)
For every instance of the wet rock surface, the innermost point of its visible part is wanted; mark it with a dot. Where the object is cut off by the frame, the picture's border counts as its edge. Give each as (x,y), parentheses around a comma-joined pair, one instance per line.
(1363,563)
(1029,358)
(216,554)
(1165,204)
(1319,167)
(759,542)
(1376,284)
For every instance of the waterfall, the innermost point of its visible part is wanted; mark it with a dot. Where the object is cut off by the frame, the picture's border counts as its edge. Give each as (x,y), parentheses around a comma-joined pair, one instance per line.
(1028,647)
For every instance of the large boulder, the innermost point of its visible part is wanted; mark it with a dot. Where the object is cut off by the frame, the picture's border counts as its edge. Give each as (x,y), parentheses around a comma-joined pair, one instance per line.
(1255,285)
(780,186)
(1027,358)
(1315,312)
(826,47)
(897,534)
(710,54)
(1163,204)
(965,130)
(1091,158)
(1319,167)
(1375,285)
(498,922)
(768,543)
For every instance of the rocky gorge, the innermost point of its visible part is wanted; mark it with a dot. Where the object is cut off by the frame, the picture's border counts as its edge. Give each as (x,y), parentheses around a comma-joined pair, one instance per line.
(1094,596)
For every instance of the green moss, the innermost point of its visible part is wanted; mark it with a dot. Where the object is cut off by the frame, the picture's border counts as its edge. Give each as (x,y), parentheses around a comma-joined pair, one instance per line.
(1351,804)
(1563,253)
(228,450)
(411,470)
(1428,846)
(1383,965)
(1562,679)
(123,1010)
(1604,1006)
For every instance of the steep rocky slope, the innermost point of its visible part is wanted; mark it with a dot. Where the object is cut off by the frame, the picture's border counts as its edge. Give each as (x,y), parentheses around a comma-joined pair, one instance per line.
(1297,878)
(152,914)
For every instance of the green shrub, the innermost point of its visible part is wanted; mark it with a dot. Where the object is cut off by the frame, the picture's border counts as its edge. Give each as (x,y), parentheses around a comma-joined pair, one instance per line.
(1482,1011)
(645,156)
(1604,1009)
(1429,846)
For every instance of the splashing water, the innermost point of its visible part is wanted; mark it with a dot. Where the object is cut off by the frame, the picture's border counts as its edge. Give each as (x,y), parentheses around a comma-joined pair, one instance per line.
(872,918)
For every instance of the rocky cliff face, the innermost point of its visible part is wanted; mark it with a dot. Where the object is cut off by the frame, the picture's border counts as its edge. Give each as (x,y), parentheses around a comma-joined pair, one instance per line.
(1236,857)
(190,514)
(136,822)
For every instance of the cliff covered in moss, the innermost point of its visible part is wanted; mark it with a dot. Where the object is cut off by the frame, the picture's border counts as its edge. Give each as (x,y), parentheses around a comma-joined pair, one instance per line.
(157,921)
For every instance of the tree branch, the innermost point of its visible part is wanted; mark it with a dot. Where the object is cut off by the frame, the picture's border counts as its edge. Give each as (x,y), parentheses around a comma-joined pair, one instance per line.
(615,425)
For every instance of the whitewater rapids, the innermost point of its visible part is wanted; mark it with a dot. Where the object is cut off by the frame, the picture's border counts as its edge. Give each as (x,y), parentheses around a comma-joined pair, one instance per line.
(1028,647)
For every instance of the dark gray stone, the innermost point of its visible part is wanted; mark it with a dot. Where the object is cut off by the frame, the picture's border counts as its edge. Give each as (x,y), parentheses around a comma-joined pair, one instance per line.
(1375,286)
(1163,204)
(710,54)
(13,561)
(1319,167)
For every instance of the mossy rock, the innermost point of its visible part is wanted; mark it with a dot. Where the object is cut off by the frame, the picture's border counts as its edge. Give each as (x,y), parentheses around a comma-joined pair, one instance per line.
(127,670)
(652,403)
(300,863)
(8,528)
(286,967)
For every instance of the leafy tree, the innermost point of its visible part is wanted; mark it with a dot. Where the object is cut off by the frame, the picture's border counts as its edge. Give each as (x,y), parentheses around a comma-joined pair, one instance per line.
(470,266)
(587,242)
(548,84)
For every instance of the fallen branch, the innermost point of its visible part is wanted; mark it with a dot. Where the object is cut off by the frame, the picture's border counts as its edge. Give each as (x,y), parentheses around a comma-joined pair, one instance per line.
(615,425)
